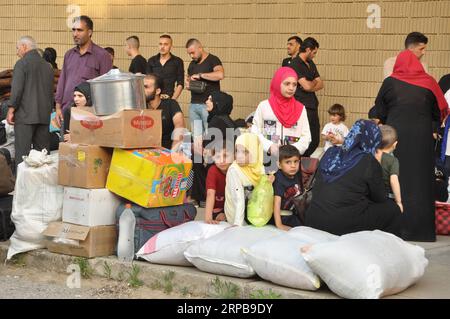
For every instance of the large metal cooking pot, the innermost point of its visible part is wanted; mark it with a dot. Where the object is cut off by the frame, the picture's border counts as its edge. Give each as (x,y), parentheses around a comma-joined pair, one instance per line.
(116,91)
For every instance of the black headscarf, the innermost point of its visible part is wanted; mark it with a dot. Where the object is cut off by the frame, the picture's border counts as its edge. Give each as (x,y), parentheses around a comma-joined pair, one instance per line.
(85,88)
(222,106)
(219,117)
(49,55)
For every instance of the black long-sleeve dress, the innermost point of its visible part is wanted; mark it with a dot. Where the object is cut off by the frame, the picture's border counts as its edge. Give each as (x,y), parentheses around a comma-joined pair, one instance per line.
(411,110)
(355,202)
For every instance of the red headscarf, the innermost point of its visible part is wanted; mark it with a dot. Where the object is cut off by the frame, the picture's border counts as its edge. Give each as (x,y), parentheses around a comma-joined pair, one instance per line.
(287,110)
(408,69)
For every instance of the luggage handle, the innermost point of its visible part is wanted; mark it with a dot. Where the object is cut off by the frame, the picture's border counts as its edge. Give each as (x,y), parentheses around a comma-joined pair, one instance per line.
(169,224)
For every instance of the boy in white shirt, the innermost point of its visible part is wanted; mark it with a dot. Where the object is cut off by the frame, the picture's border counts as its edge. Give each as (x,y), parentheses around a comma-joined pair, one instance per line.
(335,131)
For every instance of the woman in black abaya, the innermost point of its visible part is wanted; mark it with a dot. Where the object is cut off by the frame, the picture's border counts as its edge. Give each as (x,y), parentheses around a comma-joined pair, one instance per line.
(410,100)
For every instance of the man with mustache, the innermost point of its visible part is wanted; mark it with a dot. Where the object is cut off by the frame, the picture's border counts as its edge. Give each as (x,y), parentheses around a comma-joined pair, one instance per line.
(81,63)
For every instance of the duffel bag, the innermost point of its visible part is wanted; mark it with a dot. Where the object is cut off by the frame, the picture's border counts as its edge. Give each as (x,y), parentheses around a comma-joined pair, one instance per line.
(150,221)
(6,224)
(7,180)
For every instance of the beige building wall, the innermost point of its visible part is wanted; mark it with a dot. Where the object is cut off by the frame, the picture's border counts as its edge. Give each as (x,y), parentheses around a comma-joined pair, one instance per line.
(249,37)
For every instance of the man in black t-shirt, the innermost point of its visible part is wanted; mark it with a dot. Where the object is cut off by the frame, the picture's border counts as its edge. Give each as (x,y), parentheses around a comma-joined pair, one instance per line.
(168,67)
(308,84)
(138,62)
(206,68)
(293,49)
(172,118)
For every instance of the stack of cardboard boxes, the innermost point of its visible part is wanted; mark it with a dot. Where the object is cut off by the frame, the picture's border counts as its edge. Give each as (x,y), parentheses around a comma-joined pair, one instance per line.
(118,154)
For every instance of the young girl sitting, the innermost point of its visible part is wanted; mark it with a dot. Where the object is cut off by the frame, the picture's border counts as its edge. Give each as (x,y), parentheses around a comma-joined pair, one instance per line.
(335,131)
(242,176)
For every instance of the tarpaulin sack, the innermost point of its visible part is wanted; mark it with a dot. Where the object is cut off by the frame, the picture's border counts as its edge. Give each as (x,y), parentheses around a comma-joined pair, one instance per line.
(168,246)
(442,218)
(150,221)
(38,200)
(368,264)
(260,204)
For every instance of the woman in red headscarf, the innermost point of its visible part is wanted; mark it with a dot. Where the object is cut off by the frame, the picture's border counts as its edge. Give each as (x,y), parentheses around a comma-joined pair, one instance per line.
(410,100)
(281,119)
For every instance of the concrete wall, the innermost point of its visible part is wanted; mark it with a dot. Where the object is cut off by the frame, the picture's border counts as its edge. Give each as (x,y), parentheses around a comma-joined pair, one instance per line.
(249,37)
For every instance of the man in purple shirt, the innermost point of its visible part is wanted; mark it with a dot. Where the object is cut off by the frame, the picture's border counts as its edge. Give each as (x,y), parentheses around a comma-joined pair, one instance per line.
(81,63)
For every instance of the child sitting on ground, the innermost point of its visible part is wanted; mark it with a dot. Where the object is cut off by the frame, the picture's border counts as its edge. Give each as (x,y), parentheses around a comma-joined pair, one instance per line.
(389,163)
(242,176)
(335,131)
(215,183)
(287,185)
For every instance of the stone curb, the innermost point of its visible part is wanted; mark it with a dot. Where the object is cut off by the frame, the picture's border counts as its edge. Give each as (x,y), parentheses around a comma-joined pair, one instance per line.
(190,280)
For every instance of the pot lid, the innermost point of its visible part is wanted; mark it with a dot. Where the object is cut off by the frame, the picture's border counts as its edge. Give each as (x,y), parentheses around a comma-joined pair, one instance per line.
(116,75)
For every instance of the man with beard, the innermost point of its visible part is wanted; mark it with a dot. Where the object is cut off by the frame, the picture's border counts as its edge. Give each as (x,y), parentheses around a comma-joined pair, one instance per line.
(206,68)
(169,67)
(171,115)
(81,63)
(309,82)
(293,50)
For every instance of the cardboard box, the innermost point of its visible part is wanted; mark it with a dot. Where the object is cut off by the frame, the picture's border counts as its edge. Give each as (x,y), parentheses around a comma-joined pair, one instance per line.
(84,166)
(149,177)
(82,241)
(89,207)
(125,129)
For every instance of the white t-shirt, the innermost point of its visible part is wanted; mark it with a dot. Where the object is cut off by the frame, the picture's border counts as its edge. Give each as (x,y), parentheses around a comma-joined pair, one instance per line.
(337,129)
(271,131)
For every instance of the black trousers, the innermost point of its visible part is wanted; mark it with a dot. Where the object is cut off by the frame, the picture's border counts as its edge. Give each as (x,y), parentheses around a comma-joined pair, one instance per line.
(28,136)
(314,127)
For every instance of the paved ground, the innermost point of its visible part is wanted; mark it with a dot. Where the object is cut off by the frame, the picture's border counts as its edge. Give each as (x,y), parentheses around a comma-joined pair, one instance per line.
(40,274)
(20,282)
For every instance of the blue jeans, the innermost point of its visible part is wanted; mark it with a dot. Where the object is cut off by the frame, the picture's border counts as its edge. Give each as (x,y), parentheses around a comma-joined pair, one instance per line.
(198,116)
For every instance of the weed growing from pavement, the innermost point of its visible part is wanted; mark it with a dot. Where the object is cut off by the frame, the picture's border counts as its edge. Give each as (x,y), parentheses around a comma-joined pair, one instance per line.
(261,294)
(133,279)
(107,270)
(224,289)
(19,260)
(167,283)
(85,268)
(121,276)
(185,291)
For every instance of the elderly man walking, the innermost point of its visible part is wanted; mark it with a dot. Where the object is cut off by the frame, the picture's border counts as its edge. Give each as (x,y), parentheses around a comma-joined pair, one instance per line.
(31,99)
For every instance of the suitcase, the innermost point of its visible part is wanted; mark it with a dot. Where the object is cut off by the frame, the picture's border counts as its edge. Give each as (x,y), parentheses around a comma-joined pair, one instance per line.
(442,218)
(150,221)
(6,225)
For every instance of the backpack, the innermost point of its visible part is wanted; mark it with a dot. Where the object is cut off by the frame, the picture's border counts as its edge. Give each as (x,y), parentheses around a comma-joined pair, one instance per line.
(301,202)
(150,221)
(7,180)
(3,137)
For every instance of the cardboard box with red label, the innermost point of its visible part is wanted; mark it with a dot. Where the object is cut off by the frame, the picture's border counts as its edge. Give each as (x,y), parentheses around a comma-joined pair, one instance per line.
(126,129)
